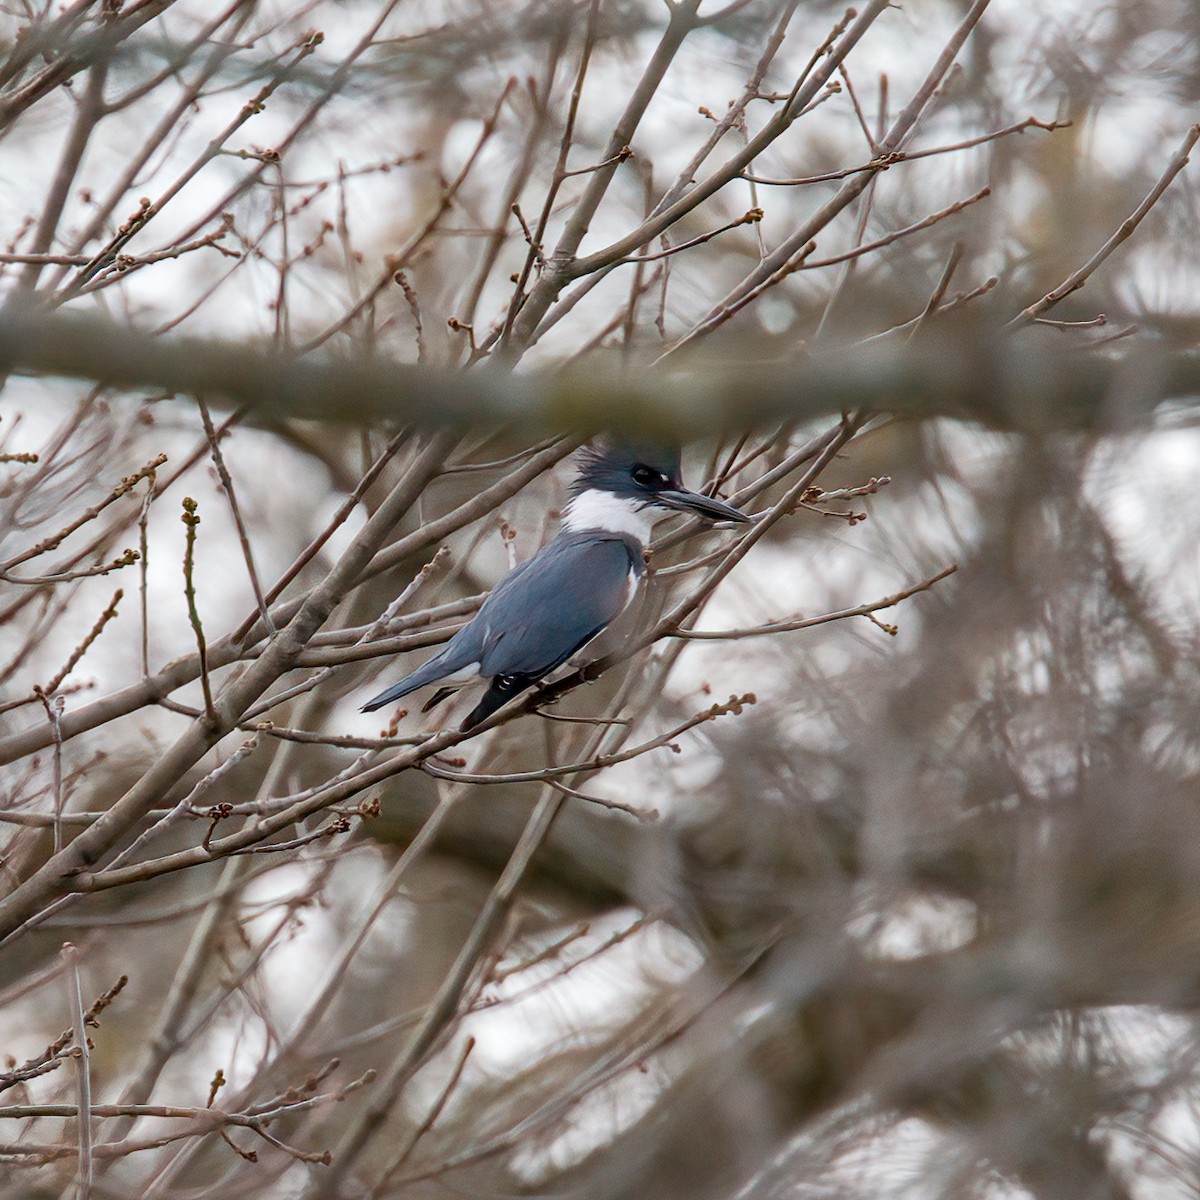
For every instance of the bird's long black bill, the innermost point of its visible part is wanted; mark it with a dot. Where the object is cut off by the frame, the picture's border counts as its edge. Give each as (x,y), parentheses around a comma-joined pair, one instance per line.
(703,506)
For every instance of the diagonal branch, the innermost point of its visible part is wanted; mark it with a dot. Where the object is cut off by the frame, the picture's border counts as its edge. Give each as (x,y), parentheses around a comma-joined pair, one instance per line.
(1124,231)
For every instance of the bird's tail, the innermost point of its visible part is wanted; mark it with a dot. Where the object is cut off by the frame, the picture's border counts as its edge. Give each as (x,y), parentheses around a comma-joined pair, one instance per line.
(451,659)
(393,693)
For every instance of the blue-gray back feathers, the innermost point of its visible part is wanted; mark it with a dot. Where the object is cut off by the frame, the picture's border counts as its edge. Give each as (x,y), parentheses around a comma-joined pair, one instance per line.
(542,612)
(539,615)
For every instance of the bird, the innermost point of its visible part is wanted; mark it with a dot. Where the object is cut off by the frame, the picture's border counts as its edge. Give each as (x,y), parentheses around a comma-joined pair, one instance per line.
(549,607)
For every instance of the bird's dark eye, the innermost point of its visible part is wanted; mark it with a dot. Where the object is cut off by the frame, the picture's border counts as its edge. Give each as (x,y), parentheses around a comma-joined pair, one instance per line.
(644,476)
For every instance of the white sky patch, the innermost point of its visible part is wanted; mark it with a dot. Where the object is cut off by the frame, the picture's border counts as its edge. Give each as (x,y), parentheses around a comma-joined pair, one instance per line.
(836,568)
(528,1020)
(908,1159)
(289,966)
(915,925)
(276,492)
(1145,488)
(542,1016)
(297,966)
(595,1121)
(1153,1150)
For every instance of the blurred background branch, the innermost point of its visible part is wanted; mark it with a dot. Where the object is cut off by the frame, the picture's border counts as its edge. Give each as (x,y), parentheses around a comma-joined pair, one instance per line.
(964,370)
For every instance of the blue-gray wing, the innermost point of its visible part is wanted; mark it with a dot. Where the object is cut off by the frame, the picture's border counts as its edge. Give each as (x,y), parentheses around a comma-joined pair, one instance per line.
(555,603)
(536,617)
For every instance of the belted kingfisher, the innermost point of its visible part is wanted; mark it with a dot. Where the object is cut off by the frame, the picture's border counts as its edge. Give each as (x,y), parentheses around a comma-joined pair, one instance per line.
(550,606)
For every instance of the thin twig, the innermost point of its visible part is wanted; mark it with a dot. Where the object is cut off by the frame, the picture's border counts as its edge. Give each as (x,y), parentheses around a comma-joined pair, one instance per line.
(214,444)
(55,540)
(887,240)
(83,647)
(862,610)
(82,1054)
(54,712)
(750,218)
(435,1110)
(1078,278)
(190,520)
(892,157)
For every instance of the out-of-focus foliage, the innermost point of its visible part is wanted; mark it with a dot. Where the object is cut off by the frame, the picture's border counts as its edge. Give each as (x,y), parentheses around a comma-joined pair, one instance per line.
(912,915)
